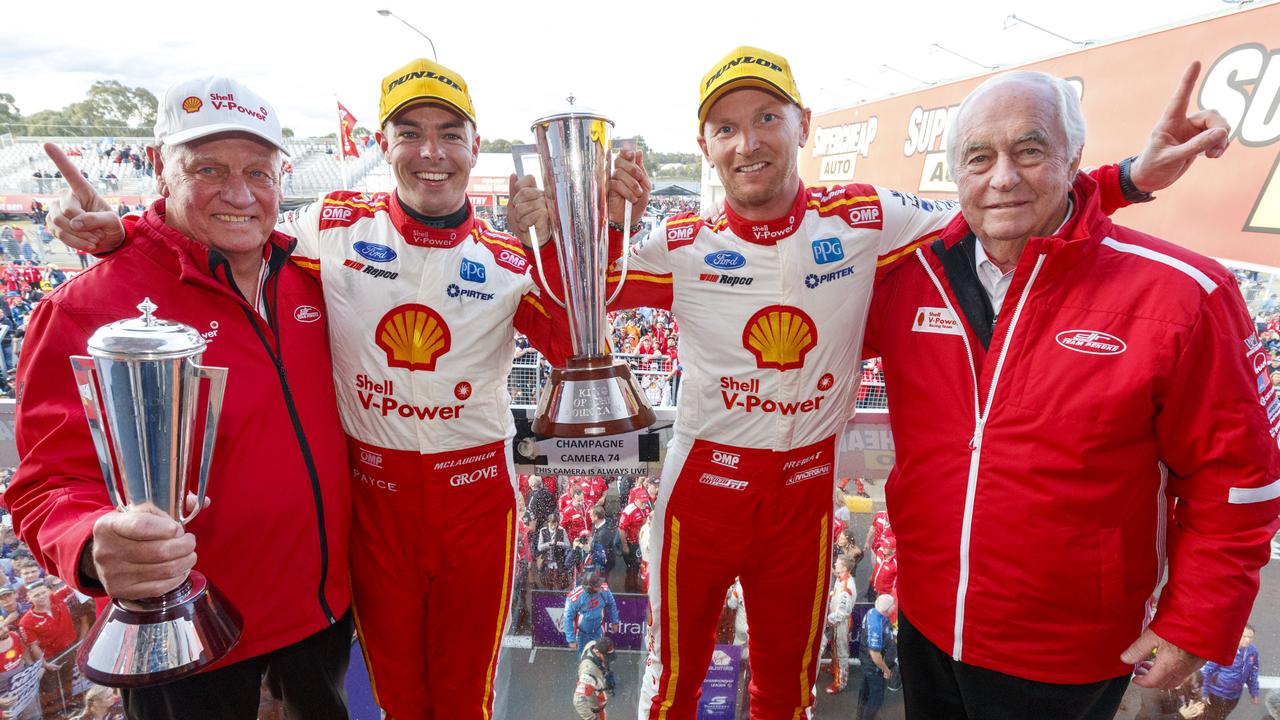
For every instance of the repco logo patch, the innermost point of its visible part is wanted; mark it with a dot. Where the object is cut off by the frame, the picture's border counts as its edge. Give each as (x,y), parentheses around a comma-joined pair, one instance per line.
(1091,342)
(466,478)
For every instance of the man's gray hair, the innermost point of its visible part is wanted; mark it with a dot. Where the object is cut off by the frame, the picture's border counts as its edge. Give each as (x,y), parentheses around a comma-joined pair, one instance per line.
(1068,106)
(884,604)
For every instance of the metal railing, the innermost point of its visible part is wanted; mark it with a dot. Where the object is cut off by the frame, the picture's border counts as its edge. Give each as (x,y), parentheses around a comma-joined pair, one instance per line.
(659,379)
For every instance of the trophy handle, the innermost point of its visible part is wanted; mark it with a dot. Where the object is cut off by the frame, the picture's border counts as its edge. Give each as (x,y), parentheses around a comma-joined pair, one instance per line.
(217,378)
(87,383)
(537,262)
(626,254)
(518,154)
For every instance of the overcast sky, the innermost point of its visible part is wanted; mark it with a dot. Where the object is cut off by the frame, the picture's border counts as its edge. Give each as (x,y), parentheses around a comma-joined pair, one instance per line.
(638,63)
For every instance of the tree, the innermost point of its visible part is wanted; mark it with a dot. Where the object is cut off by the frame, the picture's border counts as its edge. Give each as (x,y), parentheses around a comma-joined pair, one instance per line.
(9,113)
(287,132)
(498,146)
(115,104)
(650,163)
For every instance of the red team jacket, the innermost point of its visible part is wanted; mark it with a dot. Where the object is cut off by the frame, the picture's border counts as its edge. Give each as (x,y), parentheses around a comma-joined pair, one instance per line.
(258,541)
(1121,409)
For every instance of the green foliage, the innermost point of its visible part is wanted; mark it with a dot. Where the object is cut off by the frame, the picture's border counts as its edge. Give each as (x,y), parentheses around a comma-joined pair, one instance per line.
(109,108)
(498,146)
(9,112)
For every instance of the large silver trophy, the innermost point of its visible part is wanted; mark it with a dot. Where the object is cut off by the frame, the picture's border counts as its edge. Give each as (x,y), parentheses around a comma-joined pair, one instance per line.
(141,386)
(595,394)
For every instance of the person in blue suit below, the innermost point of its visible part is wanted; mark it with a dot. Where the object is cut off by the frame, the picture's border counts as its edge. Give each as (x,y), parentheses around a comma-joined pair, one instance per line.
(586,611)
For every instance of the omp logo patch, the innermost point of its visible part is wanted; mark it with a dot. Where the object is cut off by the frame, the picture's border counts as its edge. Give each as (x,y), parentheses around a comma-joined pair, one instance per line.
(727,459)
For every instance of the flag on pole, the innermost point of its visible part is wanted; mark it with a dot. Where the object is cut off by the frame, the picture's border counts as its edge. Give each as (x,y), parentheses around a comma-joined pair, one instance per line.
(347,123)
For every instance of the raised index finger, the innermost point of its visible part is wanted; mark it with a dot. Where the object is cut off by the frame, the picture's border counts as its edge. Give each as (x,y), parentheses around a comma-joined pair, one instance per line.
(1176,110)
(83,190)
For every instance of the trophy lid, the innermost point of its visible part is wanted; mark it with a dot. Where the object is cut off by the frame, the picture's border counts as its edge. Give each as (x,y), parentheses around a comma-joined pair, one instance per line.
(146,337)
(570,111)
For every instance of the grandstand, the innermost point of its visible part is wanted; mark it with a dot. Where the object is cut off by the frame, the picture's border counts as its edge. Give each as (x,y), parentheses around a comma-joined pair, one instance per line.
(315,161)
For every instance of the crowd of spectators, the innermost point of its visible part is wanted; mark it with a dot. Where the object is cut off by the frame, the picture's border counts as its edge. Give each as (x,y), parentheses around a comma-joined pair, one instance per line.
(25,284)
(104,163)
(1261,292)
(42,623)
(574,528)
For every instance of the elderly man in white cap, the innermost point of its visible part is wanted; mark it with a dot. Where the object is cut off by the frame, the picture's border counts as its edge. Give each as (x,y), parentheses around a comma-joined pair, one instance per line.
(207,255)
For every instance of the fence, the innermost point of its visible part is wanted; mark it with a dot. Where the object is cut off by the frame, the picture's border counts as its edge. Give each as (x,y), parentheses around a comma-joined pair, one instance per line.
(659,378)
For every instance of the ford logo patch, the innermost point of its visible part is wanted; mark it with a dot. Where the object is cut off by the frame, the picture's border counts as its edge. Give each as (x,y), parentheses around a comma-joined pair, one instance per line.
(725,260)
(373,252)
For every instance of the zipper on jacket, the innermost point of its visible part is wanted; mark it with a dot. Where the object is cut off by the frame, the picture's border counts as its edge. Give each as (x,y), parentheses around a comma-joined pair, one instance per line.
(981,413)
(305,447)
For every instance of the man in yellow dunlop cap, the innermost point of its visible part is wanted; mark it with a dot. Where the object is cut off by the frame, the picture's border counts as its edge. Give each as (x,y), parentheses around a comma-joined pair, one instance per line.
(772,301)
(423,299)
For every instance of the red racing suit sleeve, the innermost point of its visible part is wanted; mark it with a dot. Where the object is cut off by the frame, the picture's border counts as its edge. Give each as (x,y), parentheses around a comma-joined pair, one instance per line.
(58,491)
(1216,434)
(303,224)
(546,325)
(648,279)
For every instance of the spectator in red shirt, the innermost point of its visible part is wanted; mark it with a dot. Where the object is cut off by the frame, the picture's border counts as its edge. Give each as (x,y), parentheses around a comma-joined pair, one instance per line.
(644,493)
(594,488)
(14,656)
(48,628)
(879,532)
(884,578)
(631,519)
(573,511)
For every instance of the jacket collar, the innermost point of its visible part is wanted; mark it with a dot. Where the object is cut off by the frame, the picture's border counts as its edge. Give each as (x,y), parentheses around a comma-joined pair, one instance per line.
(196,262)
(415,233)
(768,232)
(1077,237)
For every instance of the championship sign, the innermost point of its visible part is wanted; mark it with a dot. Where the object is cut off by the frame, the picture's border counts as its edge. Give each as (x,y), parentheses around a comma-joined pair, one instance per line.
(609,455)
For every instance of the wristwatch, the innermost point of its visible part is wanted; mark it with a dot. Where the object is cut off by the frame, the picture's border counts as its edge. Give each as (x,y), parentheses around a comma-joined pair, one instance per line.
(1131,191)
(635,228)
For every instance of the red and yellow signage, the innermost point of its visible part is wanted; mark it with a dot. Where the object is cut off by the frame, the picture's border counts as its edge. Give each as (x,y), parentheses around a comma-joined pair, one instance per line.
(1228,208)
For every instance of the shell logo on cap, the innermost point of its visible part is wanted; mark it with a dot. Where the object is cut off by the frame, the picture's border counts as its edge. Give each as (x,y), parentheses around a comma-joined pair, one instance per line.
(780,336)
(192,104)
(413,336)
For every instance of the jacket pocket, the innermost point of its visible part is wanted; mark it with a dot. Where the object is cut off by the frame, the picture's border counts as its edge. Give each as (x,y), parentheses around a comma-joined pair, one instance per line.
(1111,569)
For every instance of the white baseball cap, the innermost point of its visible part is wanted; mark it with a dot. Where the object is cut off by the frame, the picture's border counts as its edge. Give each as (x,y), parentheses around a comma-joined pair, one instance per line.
(201,107)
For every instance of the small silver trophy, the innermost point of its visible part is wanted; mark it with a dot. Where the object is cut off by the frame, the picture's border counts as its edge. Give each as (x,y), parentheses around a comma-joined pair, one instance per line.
(595,394)
(141,387)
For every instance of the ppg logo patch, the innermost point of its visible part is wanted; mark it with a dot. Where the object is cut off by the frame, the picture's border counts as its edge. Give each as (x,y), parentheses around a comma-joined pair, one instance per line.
(471,271)
(827,250)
